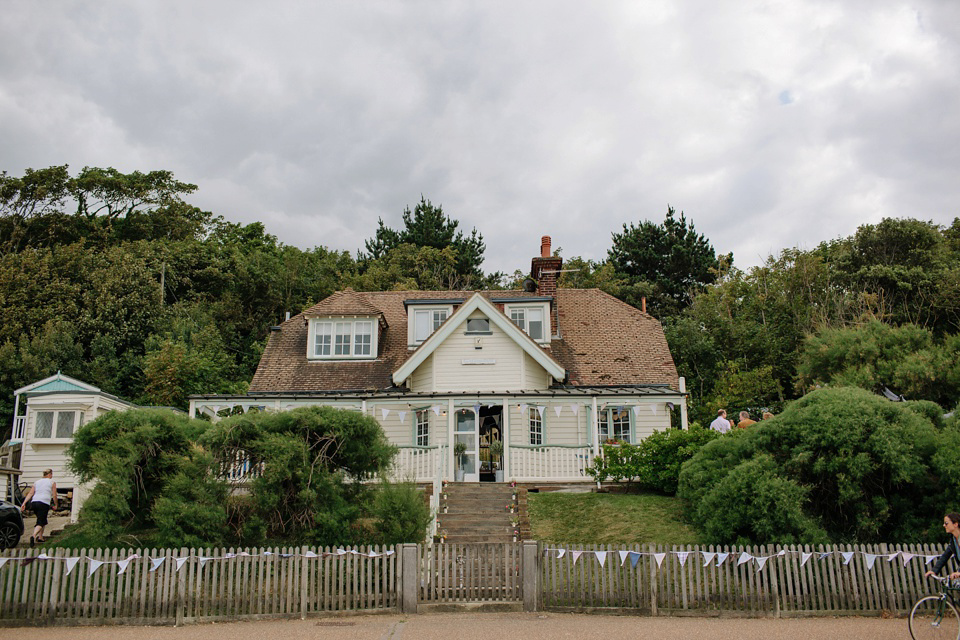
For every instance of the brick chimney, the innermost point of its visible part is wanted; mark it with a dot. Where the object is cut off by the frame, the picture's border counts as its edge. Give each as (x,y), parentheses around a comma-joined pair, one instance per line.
(545,270)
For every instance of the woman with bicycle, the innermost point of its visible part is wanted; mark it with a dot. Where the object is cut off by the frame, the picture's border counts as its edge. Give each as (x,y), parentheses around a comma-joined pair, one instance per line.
(951,523)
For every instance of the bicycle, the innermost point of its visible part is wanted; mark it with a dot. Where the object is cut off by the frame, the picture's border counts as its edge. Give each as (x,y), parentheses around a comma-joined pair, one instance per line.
(936,617)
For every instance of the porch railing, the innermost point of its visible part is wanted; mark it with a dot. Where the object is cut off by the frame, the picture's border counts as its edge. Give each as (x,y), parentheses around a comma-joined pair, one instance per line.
(417,464)
(19,427)
(549,462)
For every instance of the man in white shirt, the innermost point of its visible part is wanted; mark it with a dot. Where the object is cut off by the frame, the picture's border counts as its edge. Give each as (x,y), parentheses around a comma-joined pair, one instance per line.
(42,496)
(721,423)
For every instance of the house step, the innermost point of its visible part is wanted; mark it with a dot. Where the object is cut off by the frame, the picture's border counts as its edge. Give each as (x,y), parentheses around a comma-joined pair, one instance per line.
(471,512)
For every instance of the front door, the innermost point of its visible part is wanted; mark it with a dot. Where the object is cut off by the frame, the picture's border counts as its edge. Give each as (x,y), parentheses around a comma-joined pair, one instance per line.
(466,467)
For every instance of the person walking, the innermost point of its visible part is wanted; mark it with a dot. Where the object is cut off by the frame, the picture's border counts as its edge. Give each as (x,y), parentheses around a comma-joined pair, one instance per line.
(745,420)
(42,495)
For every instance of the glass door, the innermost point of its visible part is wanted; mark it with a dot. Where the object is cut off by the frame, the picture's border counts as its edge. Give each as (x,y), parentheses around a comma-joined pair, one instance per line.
(465,465)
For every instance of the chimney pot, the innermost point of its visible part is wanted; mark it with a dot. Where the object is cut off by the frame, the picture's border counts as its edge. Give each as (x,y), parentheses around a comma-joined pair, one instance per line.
(643,304)
(545,247)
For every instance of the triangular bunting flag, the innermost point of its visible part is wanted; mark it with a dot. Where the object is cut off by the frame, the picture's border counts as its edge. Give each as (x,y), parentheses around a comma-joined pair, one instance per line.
(682,557)
(870,558)
(636,411)
(561,553)
(389,553)
(601,556)
(558,409)
(659,558)
(384,413)
(476,408)
(523,408)
(634,558)
(576,409)
(744,557)
(670,406)
(123,564)
(576,555)
(653,409)
(94,565)
(402,415)
(180,562)
(309,554)
(436,409)
(893,556)
(907,557)
(155,563)
(4,561)
(782,552)
(496,420)
(761,560)
(804,557)
(71,563)
(823,555)
(847,556)
(708,557)
(540,410)
(721,558)
(623,557)
(930,559)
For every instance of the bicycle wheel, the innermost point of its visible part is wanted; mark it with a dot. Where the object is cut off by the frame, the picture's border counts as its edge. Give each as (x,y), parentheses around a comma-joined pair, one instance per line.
(933,618)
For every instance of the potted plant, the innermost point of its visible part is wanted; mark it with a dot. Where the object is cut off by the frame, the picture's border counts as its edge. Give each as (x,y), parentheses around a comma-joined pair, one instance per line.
(459,449)
(496,451)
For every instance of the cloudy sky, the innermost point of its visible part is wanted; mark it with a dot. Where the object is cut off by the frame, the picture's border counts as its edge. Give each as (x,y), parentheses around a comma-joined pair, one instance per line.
(771,123)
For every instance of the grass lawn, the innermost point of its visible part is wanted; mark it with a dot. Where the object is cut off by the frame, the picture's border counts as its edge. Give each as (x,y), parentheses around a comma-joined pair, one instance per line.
(607,518)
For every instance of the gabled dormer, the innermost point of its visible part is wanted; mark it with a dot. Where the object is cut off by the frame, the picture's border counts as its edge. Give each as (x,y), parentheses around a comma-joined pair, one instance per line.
(424,316)
(345,326)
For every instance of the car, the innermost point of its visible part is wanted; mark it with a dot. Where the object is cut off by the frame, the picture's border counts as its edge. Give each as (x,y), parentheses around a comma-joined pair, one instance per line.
(11,525)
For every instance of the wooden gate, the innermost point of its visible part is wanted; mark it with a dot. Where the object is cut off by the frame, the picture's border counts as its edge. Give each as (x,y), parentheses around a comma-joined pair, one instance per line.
(474,573)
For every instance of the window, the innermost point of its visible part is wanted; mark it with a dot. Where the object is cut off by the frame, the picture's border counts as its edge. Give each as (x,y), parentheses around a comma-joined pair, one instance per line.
(426,321)
(343,339)
(478,325)
(530,320)
(423,427)
(57,424)
(535,420)
(615,424)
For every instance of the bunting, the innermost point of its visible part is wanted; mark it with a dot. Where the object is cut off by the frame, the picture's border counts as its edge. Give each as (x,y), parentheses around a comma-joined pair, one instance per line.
(558,409)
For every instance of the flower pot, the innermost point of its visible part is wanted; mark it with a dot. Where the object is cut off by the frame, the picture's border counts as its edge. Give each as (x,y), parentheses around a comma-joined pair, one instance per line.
(499,475)
(458,475)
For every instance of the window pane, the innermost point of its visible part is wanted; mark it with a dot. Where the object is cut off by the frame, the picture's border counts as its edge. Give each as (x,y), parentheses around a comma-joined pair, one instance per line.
(44,427)
(519,318)
(478,324)
(341,345)
(438,318)
(423,428)
(536,323)
(362,338)
(421,325)
(65,422)
(322,339)
(536,426)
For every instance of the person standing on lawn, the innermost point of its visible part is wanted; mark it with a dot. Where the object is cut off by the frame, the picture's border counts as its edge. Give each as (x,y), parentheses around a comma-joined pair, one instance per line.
(42,495)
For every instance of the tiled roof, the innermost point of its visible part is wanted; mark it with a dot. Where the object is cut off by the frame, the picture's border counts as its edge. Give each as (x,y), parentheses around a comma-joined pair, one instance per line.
(603,341)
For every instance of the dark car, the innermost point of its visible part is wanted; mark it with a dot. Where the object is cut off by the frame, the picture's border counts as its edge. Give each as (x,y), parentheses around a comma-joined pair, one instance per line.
(11,525)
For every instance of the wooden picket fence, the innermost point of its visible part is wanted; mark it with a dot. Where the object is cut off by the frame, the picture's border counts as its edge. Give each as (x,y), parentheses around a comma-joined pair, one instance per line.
(297,582)
(284,584)
(782,588)
(474,573)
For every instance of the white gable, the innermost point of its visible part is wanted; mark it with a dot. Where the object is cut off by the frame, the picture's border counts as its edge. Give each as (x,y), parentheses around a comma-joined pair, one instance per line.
(480,360)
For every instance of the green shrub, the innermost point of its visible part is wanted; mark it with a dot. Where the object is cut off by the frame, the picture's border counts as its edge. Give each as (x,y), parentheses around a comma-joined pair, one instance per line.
(620,463)
(661,455)
(400,513)
(191,511)
(874,470)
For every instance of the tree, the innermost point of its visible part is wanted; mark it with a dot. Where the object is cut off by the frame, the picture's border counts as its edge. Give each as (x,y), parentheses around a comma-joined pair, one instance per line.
(672,259)
(428,226)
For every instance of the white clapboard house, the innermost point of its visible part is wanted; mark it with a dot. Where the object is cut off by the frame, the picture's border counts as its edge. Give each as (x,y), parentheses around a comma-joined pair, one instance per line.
(548,373)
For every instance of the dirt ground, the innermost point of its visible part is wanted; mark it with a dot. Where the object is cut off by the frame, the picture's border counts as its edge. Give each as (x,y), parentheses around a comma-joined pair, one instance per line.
(483,626)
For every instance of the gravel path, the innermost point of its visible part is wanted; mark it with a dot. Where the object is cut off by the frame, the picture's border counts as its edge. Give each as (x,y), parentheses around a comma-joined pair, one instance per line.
(484,626)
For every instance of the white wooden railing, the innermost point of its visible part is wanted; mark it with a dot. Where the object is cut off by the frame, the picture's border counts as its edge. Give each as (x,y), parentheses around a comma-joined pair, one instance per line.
(241,469)
(19,426)
(438,477)
(416,464)
(557,462)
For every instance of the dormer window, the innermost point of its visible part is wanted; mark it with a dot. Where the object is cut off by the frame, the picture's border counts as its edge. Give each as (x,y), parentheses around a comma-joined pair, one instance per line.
(531,319)
(336,338)
(426,321)
(424,317)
